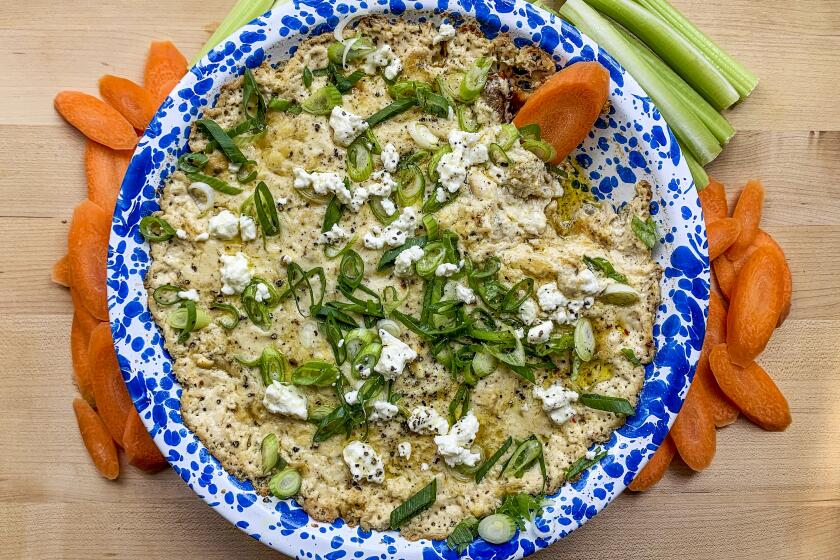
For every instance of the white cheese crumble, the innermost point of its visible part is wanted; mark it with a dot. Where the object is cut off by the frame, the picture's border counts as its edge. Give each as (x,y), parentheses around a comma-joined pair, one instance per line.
(286,260)
(444,33)
(346,126)
(550,297)
(262,294)
(235,273)
(454,446)
(202,236)
(191,294)
(352,397)
(562,309)
(590,454)
(404,449)
(556,402)
(382,184)
(180,234)
(588,283)
(394,234)
(224,225)
(403,265)
(424,467)
(388,206)
(286,399)
(425,420)
(464,294)
(364,462)
(528,312)
(323,183)
(390,157)
(383,57)
(448,269)
(383,410)
(453,166)
(336,234)
(540,333)
(394,356)
(247,228)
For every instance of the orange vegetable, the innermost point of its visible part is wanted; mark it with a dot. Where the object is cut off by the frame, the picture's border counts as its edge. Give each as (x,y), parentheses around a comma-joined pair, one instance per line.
(139,446)
(694,430)
(83,325)
(721,408)
(87,253)
(748,212)
(134,102)
(751,389)
(724,275)
(764,239)
(722,233)
(97,440)
(655,468)
(61,272)
(112,399)
(713,201)
(96,119)
(164,69)
(755,305)
(567,105)
(104,170)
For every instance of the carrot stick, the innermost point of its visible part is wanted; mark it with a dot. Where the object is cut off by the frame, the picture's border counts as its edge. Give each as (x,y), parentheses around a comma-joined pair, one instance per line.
(83,324)
(87,252)
(134,102)
(748,212)
(139,446)
(96,119)
(165,67)
(97,440)
(721,408)
(722,233)
(764,239)
(112,399)
(752,390)
(567,105)
(60,273)
(655,468)
(713,201)
(694,430)
(755,305)
(105,169)
(724,275)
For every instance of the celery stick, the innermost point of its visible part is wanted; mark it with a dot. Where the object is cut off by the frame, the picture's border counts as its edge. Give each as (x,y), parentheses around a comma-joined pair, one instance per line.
(687,126)
(738,75)
(243,12)
(713,120)
(701,179)
(681,55)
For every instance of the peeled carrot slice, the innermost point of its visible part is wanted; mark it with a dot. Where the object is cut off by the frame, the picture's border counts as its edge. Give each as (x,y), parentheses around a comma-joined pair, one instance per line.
(112,399)
(164,69)
(83,325)
(721,408)
(96,119)
(724,275)
(748,212)
(105,169)
(722,233)
(655,468)
(567,105)
(133,101)
(764,239)
(713,201)
(752,390)
(61,272)
(87,253)
(139,446)
(97,440)
(755,305)
(694,430)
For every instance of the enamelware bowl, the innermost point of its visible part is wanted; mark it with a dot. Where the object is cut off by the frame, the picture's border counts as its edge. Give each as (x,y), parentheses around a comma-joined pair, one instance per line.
(630,144)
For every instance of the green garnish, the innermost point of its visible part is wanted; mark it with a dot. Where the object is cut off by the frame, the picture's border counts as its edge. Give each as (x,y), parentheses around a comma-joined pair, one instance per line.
(316,373)
(605,267)
(307,77)
(284,105)
(645,231)
(322,101)
(232,313)
(271,363)
(221,138)
(540,148)
(584,339)
(521,508)
(435,160)
(266,210)
(619,294)
(524,456)
(434,255)
(498,155)
(463,534)
(415,505)
(332,215)
(215,183)
(433,103)
(155,229)
(411,184)
(507,136)
(285,484)
(270,454)
(185,319)
(388,257)
(352,49)
(391,111)
(367,357)
(258,310)
(166,295)
(615,405)
(530,132)
(253,102)
(359,161)
(466,119)
(582,464)
(494,458)
(192,162)
(497,528)
(377,206)
(460,404)
(474,80)
(631,356)
(300,285)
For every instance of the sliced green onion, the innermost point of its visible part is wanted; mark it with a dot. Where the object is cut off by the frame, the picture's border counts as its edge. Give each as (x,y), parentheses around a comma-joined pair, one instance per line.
(316,373)
(497,528)
(609,404)
(378,209)
(250,90)
(584,339)
(540,148)
(433,256)
(232,320)
(483,364)
(271,363)
(407,89)
(449,85)
(463,534)
(582,464)
(507,136)
(411,184)
(215,183)
(332,215)
(466,119)
(605,267)
(474,80)
(524,456)
(422,136)
(345,83)
(430,224)
(285,484)
(460,404)
(352,49)
(644,230)
(619,294)
(166,294)
(433,103)
(367,357)
(259,311)
(498,155)
(435,160)
(184,319)
(391,111)
(221,138)
(631,357)
(284,105)
(494,458)
(333,252)
(307,77)
(155,229)
(530,132)
(266,210)
(269,453)
(359,160)
(322,101)
(192,162)
(415,505)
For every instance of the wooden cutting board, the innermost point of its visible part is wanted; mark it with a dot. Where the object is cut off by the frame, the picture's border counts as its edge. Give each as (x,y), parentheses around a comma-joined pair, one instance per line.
(767,496)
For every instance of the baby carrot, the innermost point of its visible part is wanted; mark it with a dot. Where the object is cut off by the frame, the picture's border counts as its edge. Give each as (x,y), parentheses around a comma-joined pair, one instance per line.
(139,446)
(724,275)
(60,273)
(87,253)
(104,170)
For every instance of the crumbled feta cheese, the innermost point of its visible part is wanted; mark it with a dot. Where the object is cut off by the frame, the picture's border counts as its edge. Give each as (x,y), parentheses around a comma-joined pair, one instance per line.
(383,184)
(360,196)
(448,269)
(364,462)
(336,234)
(404,449)
(191,294)
(556,402)
(383,57)
(588,283)
(282,201)
(445,33)
(383,410)
(528,312)
(286,399)
(425,420)
(234,167)
(180,234)
(323,183)
(388,206)
(390,157)
(424,467)
(394,356)
(550,297)
(562,309)
(540,333)
(202,236)
(454,446)
(519,334)
(394,234)
(286,260)
(235,273)
(224,225)
(452,167)
(440,195)
(247,228)
(346,126)
(405,260)
(590,454)
(464,294)
(352,397)
(262,294)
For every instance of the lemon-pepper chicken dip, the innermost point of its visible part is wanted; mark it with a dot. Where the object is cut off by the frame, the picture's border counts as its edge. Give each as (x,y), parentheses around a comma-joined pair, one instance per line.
(381,299)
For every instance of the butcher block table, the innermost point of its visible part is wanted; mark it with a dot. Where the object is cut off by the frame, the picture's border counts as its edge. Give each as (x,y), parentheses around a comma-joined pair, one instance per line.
(766,496)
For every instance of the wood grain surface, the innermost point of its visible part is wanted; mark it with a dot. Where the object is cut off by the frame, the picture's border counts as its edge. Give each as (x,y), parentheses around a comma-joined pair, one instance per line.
(767,496)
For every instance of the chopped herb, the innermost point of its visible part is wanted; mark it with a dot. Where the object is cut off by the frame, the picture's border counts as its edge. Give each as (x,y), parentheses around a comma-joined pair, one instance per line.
(645,231)
(307,77)
(631,356)
(494,458)
(391,111)
(415,505)
(582,464)
(156,229)
(316,373)
(463,534)
(221,138)
(232,313)
(521,508)
(616,405)
(271,363)
(266,210)
(605,267)
(524,456)
(332,215)
(215,183)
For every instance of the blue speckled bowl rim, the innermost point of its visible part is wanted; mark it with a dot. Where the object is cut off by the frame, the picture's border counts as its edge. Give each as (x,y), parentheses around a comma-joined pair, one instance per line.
(678,332)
